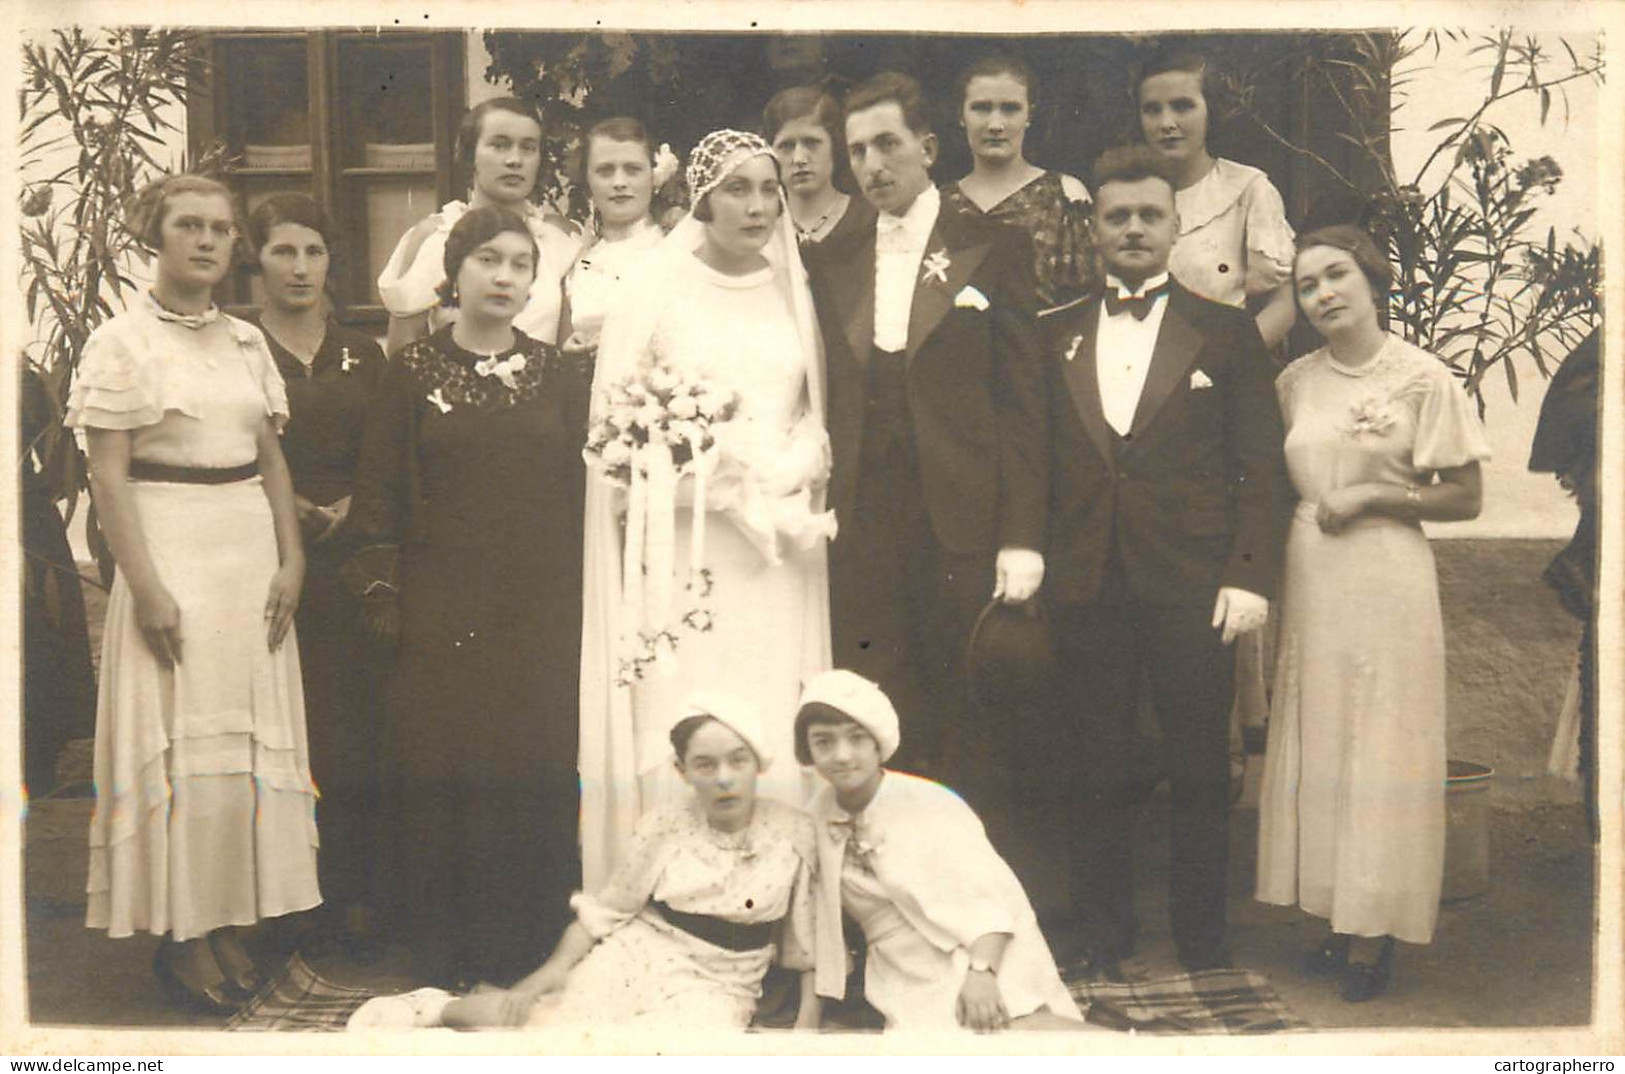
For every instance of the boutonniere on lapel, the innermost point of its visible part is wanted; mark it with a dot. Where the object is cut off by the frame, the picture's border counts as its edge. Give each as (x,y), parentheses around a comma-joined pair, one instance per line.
(1072,348)
(935,267)
(969,298)
(438,398)
(1200,380)
(347,363)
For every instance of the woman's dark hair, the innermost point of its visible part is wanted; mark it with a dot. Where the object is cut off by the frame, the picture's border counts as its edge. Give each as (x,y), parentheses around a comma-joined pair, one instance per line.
(684,732)
(896,88)
(1359,245)
(475,229)
(992,66)
(1170,58)
(702,208)
(473,123)
(616,129)
(144,215)
(816,714)
(301,209)
(818,105)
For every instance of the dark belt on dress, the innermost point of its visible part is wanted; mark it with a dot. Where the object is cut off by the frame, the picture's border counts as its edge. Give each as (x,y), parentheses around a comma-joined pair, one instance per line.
(731,935)
(192,475)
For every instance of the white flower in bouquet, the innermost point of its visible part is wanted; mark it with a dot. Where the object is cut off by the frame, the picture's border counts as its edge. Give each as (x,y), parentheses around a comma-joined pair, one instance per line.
(684,408)
(662,381)
(616,453)
(649,415)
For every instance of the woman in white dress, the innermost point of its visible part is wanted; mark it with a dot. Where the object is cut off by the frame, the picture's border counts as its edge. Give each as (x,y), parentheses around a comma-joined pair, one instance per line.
(724,300)
(499,149)
(621,170)
(952,939)
(714,888)
(1380,437)
(205,811)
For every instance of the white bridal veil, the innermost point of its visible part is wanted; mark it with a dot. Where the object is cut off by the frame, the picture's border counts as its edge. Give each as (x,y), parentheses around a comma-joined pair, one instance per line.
(609,757)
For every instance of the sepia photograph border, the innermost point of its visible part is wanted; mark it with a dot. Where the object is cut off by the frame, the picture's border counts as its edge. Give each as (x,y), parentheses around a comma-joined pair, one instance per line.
(1605,1035)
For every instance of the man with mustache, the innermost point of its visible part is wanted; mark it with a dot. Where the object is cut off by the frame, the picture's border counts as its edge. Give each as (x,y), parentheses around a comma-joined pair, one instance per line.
(939,436)
(1166,526)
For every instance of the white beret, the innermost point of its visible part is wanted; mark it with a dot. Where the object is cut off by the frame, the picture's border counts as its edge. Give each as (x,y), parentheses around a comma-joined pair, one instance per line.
(855,696)
(736,714)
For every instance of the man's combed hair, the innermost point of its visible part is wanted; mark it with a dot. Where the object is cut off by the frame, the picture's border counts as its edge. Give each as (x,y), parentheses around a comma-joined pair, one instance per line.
(899,89)
(1128,164)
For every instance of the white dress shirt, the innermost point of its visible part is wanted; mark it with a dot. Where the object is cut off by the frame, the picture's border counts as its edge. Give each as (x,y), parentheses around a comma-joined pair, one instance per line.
(1123,347)
(900,243)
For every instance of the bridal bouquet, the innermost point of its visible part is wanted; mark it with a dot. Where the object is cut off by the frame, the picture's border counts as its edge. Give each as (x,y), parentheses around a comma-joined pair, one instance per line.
(657,427)
(656,407)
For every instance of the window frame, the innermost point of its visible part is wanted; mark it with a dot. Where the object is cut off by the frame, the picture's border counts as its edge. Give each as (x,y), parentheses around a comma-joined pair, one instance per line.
(331,182)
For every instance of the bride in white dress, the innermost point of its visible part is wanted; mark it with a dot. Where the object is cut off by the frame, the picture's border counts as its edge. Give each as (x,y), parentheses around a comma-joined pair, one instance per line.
(723,299)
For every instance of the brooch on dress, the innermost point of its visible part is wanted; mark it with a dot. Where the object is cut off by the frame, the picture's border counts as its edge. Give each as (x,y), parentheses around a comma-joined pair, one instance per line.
(347,363)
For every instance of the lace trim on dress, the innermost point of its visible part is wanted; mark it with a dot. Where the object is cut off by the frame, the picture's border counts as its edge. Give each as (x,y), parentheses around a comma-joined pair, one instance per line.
(450,375)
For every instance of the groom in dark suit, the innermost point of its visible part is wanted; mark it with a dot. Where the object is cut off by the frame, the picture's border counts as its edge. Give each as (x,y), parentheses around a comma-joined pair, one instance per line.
(939,434)
(1166,528)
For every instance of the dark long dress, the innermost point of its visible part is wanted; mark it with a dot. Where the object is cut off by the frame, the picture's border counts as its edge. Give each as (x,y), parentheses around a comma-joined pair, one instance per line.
(1056,225)
(328,401)
(480,488)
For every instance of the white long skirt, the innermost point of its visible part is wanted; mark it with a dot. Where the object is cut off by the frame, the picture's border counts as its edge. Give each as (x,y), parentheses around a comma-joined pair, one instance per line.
(205,811)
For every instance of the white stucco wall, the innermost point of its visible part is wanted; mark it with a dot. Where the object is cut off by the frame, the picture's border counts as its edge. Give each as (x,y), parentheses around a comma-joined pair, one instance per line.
(1516,502)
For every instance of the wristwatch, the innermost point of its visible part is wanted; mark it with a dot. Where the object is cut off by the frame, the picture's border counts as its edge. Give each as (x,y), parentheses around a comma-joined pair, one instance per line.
(978,965)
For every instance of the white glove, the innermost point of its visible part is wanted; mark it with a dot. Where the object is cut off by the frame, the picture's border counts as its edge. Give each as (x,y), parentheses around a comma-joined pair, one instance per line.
(1018,574)
(1239,612)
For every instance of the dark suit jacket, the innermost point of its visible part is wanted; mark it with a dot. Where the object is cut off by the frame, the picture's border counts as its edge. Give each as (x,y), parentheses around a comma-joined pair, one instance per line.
(975,382)
(1196,496)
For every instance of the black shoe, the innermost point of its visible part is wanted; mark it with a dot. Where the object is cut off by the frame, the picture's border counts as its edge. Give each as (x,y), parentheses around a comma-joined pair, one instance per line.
(213,999)
(1332,956)
(243,984)
(1364,981)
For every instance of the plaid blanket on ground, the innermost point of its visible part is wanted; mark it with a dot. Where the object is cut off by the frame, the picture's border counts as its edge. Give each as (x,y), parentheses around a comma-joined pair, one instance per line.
(300,1000)
(1209,1001)
(1212,1001)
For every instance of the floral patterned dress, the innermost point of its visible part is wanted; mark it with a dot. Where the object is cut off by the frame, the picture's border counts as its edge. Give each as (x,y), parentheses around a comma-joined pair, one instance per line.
(1056,222)
(645,969)
(1351,822)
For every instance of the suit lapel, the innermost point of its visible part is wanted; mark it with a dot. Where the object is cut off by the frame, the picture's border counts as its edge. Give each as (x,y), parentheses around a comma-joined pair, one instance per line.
(1083,380)
(852,289)
(933,297)
(1177,344)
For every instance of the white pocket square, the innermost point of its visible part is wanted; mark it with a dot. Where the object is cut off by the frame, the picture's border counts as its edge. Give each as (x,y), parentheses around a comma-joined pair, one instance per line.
(970,298)
(1200,380)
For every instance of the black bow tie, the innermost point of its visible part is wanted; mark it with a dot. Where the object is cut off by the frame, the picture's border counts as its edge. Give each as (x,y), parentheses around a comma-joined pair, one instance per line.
(1138,305)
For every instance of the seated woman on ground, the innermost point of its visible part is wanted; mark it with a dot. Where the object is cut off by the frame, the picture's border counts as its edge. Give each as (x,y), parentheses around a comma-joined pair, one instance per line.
(711,892)
(952,939)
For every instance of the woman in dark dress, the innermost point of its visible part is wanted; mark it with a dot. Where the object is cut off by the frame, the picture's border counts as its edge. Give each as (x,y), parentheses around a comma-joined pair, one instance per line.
(468,525)
(997,97)
(807,130)
(332,374)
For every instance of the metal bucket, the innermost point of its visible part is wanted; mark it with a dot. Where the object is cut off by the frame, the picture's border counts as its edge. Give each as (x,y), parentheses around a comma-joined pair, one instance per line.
(1467,830)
